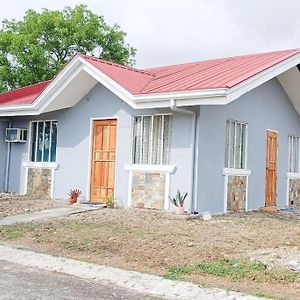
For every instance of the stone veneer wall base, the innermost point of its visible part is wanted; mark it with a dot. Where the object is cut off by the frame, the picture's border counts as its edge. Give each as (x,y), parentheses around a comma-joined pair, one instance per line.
(39,183)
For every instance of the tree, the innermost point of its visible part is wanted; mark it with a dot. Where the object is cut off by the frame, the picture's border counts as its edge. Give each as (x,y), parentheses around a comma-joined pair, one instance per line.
(36,48)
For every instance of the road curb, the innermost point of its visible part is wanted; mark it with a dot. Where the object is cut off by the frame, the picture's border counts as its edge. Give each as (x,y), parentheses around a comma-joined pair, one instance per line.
(134,281)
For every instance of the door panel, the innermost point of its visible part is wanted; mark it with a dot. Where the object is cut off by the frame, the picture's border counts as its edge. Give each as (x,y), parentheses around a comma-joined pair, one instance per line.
(103,159)
(271,168)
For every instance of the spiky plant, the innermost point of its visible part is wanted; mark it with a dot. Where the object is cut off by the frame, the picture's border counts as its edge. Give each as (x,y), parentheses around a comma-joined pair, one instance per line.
(178,199)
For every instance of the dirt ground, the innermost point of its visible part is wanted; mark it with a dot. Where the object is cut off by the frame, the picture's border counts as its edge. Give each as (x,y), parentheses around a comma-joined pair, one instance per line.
(152,242)
(11,204)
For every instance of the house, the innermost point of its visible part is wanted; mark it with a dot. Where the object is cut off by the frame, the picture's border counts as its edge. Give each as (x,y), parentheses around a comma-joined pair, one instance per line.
(225,131)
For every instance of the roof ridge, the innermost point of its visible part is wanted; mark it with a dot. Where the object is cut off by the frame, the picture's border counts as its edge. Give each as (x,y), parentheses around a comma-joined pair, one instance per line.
(116,64)
(223,58)
(190,67)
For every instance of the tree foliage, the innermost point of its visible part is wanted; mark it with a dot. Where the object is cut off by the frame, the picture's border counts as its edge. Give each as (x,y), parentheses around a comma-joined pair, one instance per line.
(36,48)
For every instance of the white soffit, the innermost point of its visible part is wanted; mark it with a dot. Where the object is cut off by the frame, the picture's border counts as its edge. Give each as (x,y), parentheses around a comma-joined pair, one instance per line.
(290,82)
(72,93)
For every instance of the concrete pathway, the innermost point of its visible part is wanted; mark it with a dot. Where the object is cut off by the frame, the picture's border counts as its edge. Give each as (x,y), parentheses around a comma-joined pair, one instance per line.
(47,214)
(128,280)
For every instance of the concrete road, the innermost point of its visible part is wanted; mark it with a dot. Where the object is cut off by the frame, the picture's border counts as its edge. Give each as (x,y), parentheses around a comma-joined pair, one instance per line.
(19,282)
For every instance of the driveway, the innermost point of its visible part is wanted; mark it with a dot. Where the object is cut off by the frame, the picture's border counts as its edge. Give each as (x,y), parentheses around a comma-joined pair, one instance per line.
(20,282)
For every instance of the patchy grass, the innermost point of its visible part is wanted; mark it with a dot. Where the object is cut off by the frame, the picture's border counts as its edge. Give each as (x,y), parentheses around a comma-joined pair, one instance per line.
(267,296)
(235,270)
(212,254)
(16,231)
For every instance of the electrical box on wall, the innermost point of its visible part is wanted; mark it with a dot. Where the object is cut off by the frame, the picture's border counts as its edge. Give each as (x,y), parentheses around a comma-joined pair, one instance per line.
(16,135)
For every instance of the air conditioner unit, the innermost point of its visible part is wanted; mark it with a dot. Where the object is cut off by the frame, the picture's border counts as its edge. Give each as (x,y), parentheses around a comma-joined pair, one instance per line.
(16,135)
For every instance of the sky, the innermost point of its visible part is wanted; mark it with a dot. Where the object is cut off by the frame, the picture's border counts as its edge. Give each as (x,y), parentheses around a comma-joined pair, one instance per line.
(168,32)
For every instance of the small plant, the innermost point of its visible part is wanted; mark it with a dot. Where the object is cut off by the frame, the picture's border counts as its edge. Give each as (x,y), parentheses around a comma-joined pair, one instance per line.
(234,270)
(179,199)
(110,201)
(74,194)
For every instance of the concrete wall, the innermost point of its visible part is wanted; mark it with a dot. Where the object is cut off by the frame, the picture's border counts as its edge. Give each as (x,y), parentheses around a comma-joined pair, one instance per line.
(3,147)
(266,107)
(73,145)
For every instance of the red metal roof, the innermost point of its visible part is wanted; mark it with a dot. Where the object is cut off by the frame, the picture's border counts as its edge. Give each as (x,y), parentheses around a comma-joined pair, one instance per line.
(211,74)
(25,95)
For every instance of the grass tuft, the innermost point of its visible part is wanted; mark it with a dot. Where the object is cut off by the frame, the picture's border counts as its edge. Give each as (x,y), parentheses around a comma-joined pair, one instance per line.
(235,270)
(15,231)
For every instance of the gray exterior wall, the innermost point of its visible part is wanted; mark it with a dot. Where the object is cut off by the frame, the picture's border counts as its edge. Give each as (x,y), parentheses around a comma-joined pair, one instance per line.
(3,151)
(266,107)
(73,145)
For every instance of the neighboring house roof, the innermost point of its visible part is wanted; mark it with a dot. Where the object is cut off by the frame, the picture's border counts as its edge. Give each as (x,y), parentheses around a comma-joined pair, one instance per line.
(216,81)
(25,95)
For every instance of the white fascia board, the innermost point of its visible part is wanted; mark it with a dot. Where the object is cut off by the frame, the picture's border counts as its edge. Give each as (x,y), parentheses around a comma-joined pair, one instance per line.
(181,95)
(55,86)
(52,88)
(41,106)
(109,83)
(220,96)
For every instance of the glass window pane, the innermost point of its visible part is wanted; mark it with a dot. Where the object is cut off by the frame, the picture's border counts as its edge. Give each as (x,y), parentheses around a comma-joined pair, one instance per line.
(227,145)
(167,138)
(40,145)
(157,139)
(147,128)
(137,137)
(243,145)
(237,150)
(33,139)
(231,144)
(53,141)
(296,154)
(152,139)
(291,154)
(47,142)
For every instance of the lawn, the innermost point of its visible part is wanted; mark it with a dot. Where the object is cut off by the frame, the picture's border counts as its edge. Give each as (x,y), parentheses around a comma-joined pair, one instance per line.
(217,253)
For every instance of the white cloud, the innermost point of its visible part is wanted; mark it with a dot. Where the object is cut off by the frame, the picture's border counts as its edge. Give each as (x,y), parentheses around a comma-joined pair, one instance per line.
(175,31)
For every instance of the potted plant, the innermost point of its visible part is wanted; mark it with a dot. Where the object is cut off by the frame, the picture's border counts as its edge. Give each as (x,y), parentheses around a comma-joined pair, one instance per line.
(74,194)
(140,205)
(110,201)
(178,201)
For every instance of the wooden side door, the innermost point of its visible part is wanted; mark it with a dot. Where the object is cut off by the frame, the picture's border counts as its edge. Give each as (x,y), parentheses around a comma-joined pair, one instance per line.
(271,168)
(103,159)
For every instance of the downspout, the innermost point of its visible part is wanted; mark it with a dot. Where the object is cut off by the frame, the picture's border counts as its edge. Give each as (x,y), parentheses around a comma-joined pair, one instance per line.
(8,151)
(194,165)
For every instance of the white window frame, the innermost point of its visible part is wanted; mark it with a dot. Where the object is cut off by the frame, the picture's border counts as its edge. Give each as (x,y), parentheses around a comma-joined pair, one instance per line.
(150,162)
(36,142)
(228,148)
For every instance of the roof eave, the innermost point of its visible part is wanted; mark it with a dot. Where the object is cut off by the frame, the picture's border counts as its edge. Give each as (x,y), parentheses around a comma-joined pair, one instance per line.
(220,96)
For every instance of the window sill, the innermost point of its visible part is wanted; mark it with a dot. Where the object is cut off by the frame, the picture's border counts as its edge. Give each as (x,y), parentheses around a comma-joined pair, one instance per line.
(151,168)
(236,172)
(293,175)
(41,165)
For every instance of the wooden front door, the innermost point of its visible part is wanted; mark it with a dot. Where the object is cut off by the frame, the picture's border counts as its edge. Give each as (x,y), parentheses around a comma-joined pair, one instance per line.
(103,159)
(271,168)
